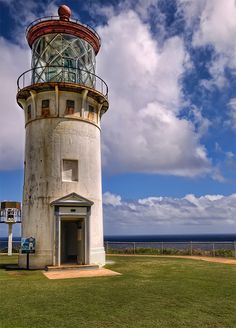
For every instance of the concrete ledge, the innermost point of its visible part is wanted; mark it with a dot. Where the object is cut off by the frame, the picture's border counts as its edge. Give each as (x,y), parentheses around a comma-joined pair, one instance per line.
(72,267)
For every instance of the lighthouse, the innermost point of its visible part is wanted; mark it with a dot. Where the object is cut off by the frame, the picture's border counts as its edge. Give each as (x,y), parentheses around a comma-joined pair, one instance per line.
(63,102)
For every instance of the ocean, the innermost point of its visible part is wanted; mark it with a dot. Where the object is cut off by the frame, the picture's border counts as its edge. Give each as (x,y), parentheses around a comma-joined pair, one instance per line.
(173,238)
(153,238)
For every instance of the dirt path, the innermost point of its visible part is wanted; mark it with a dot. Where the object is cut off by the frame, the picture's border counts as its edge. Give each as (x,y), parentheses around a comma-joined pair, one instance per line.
(202,258)
(66,274)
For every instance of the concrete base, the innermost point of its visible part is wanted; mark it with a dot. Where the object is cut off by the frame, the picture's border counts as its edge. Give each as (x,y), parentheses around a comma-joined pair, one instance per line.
(97,256)
(35,261)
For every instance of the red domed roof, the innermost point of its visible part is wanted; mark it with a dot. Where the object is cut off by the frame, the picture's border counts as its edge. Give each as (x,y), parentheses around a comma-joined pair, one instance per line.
(65,25)
(64,12)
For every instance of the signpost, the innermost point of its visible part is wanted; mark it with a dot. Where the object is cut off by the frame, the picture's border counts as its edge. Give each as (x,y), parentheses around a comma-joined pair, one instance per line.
(28,247)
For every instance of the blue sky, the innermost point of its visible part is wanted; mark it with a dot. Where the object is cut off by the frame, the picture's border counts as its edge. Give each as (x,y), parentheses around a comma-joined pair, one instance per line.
(168,139)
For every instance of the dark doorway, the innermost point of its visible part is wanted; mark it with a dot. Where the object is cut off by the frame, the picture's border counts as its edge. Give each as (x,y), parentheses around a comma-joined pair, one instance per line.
(72,241)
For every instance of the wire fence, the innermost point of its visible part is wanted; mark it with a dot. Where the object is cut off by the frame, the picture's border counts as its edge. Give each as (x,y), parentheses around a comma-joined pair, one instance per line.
(15,246)
(221,249)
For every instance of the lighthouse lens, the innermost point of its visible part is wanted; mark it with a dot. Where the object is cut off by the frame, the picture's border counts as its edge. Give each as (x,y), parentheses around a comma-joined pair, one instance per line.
(63,58)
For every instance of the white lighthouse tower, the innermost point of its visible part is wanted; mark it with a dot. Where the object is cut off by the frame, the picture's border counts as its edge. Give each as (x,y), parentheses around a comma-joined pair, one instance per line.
(63,101)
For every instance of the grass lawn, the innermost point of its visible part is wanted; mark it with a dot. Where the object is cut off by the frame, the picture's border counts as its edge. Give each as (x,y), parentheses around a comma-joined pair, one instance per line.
(152,292)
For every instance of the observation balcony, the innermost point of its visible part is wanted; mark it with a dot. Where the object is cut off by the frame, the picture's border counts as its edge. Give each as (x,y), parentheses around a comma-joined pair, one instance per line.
(65,77)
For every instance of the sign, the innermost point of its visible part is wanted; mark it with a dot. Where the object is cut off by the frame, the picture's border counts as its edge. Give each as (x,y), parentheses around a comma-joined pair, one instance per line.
(27,245)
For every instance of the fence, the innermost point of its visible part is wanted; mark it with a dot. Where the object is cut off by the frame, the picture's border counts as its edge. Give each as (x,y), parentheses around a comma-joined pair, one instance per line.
(223,249)
(4,246)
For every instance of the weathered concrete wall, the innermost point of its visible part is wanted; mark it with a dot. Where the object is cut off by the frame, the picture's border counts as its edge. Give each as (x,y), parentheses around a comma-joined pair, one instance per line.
(49,141)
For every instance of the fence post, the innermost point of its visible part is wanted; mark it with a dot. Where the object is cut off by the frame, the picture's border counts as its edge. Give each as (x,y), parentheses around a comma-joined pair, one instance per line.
(162,248)
(107,247)
(235,249)
(191,248)
(213,249)
(134,247)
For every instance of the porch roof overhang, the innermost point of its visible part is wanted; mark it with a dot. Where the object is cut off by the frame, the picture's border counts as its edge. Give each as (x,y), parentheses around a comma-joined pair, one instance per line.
(72,199)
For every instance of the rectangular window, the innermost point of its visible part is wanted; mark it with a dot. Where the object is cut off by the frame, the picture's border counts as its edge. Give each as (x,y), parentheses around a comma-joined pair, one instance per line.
(45,108)
(92,112)
(70,107)
(29,112)
(69,170)
(45,103)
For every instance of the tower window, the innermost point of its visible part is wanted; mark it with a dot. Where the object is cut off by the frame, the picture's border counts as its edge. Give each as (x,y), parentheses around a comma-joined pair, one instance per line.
(29,112)
(69,170)
(45,108)
(92,112)
(70,107)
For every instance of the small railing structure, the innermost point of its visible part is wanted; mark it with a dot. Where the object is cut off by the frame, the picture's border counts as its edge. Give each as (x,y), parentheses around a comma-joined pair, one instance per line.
(191,248)
(49,18)
(62,74)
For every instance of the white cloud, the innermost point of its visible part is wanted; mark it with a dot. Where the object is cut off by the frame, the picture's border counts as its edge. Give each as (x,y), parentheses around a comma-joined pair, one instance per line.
(232,113)
(13,61)
(110,199)
(216,28)
(190,214)
(142,131)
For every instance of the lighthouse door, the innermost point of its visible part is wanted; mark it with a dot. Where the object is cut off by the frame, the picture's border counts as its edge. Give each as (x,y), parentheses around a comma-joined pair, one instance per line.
(72,241)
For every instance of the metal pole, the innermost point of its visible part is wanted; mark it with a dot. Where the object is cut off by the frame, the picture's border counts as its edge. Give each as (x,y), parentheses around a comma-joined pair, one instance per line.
(107,246)
(134,247)
(162,248)
(10,239)
(235,249)
(27,264)
(191,248)
(213,249)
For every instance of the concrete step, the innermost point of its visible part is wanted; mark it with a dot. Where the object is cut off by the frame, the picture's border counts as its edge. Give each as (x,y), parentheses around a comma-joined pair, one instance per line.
(72,267)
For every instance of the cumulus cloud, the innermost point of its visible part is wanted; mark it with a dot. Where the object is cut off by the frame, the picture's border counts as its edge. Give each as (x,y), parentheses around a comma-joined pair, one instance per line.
(111,199)
(13,61)
(143,132)
(190,214)
(232,113)
(215,26)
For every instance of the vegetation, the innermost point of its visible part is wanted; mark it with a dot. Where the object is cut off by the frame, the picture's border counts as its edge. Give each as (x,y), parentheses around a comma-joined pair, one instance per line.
(152,292)
(171,251)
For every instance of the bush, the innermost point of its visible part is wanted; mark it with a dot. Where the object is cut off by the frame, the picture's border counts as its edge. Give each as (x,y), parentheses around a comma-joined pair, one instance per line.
(171,251)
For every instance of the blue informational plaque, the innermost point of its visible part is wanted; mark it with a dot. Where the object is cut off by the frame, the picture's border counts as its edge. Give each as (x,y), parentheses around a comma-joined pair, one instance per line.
(28,245)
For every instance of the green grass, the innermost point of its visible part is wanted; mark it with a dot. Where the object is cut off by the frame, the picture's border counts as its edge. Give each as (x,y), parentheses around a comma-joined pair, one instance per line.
(152,292)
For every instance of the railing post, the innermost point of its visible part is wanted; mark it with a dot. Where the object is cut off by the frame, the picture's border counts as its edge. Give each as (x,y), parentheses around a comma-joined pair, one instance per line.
(134,247)
(107,246)
(235,249)
(162,248)
(191,248)
(213,249)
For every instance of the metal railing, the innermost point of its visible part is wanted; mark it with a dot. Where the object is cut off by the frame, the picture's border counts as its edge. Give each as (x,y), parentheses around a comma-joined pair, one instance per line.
(73,20)
(61,74)
(221,249)
(4,246)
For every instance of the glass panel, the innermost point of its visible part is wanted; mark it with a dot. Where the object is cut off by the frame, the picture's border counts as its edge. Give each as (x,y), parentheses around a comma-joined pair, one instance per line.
(71,56)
